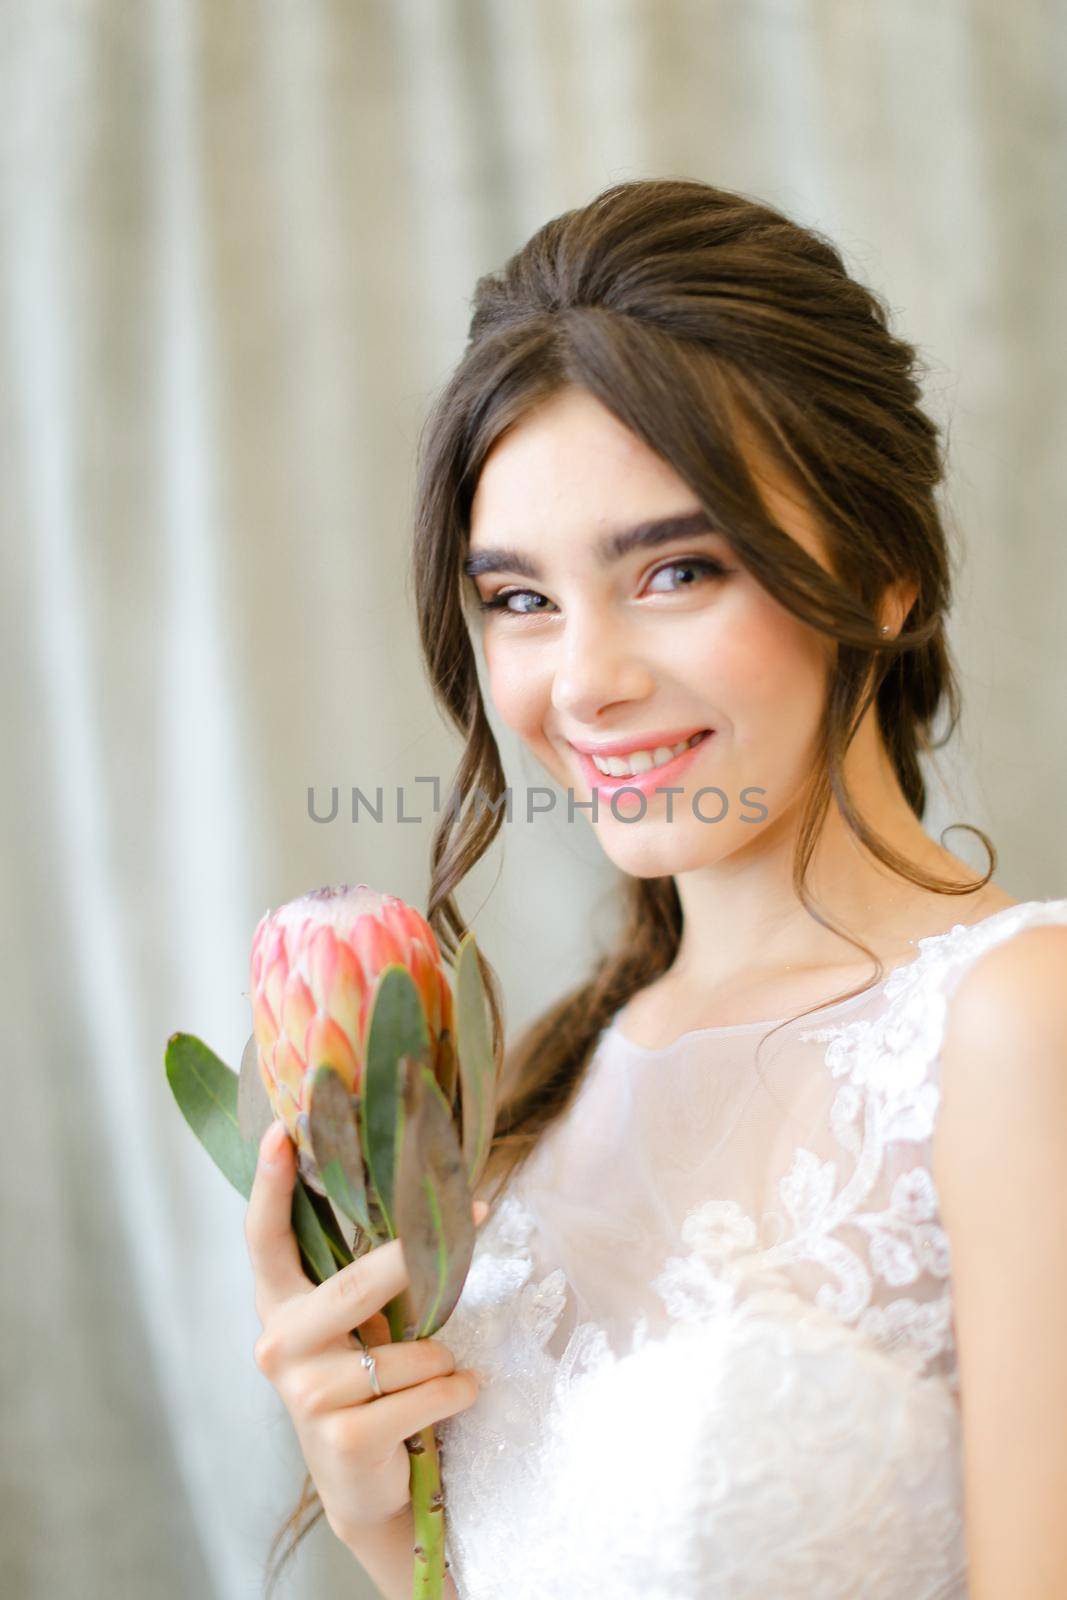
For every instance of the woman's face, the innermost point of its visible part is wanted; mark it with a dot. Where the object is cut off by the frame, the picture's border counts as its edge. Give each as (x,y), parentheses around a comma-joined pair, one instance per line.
(591,648)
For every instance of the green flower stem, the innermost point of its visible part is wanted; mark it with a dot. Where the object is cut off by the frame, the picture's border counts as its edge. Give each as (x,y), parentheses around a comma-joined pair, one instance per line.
(427,1496)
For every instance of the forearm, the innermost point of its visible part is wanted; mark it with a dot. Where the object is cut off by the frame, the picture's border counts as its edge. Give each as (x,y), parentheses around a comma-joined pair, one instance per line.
(385,1552)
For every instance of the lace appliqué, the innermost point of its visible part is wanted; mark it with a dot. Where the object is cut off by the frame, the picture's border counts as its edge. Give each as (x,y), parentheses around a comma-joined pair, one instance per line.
(868,1251)
(731,1459)
(492,1454)
(794,1431)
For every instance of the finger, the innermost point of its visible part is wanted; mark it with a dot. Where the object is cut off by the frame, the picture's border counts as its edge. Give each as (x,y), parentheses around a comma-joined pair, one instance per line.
(375,1330)
(272,1245)
(346,1299)
(320,1320)
(340,1379)
(408,1411)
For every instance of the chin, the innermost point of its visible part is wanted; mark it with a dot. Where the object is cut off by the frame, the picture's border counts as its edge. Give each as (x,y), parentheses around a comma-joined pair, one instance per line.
(658,855)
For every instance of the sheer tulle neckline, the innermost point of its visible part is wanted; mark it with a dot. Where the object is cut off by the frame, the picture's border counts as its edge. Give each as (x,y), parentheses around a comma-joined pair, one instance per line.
(816,1014)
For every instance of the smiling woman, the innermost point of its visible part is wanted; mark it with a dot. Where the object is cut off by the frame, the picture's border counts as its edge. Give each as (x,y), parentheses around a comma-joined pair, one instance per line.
(635,664)
(682,494)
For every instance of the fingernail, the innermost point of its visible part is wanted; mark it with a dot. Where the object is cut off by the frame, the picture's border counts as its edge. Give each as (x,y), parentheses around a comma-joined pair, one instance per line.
(271,1143)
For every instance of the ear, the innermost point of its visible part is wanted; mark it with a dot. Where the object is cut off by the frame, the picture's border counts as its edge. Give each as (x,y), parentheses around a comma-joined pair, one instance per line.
(896,603)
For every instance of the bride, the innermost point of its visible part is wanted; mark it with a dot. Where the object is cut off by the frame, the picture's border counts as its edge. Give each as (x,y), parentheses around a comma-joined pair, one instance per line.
(771,1300)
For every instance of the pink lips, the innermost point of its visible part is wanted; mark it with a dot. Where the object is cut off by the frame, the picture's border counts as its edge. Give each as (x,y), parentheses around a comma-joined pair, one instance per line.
(647,741)
(647,782)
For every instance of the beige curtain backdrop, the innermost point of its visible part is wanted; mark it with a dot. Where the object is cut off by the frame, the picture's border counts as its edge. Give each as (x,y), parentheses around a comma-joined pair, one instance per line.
(239,243)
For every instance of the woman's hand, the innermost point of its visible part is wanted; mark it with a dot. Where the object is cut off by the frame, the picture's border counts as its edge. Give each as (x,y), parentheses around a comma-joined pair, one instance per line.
(352,1441)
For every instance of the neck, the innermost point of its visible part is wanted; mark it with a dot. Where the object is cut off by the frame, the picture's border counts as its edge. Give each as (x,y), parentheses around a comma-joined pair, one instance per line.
(742,915)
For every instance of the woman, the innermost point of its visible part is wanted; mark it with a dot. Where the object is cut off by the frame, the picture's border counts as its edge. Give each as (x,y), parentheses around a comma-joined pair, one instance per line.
(762,1307)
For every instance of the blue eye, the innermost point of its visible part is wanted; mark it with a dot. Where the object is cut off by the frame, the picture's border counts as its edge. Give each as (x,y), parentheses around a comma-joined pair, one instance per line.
(499,602)
(705,565)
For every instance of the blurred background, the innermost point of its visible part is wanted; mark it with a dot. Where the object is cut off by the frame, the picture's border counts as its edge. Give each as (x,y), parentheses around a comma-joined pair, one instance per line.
(238,247)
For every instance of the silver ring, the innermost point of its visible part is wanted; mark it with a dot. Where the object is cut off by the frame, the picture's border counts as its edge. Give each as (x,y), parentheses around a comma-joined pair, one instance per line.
(367,1360)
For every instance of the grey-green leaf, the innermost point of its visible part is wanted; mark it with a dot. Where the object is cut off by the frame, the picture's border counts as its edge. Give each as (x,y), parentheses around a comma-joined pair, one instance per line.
(445,1065)
(333,1130)
(477,1067)
(396,1027)
(433,1204)
(322,1244)
(254,1110)
(206,1091)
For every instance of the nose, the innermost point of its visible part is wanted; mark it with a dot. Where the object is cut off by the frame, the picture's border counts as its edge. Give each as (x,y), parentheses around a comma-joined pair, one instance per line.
(597,667)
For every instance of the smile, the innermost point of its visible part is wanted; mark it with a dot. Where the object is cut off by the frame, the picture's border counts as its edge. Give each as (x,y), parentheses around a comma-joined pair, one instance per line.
(642,769)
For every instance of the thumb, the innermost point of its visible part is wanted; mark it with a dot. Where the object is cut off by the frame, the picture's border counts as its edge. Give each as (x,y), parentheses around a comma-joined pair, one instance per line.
(272,1244)
(275,1151)
(481,1211)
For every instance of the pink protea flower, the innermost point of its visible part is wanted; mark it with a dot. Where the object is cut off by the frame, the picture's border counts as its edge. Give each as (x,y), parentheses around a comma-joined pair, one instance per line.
(315,963)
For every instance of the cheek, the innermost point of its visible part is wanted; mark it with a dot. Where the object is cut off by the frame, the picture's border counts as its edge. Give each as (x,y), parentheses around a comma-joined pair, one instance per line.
(515,687)
(769,665)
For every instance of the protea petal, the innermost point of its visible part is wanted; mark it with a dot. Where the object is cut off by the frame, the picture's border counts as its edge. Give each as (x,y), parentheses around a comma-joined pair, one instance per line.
(298,1008)
(321,958)
(266,1073)
(425,975)
(288,1069)
(407,926)
(426,933)
(298,937)
(447,1011)
(276,971)
(392,917)
(288,1108)
(344,998)
(264,1025)
(328,1046)
(314,966)
(375,946)
(257,948)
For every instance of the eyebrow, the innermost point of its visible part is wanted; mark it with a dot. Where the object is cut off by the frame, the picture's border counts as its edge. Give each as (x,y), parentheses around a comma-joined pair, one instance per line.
(642,535)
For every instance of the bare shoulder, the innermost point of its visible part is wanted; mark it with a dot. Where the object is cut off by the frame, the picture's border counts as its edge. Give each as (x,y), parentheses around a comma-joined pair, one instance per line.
(1003,1062)
(1016,986)
(999,1163)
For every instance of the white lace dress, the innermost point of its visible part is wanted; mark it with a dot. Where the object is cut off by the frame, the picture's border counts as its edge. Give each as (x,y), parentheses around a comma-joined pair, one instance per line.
(715,1319)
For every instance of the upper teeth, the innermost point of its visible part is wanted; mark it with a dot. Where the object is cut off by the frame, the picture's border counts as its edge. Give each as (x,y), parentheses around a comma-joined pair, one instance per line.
(642,760)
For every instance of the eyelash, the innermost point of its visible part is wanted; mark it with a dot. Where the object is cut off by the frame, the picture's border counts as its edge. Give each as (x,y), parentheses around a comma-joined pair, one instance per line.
(499,602)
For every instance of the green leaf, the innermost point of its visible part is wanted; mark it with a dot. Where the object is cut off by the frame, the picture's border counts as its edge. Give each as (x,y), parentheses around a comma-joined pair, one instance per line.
(396,1027)
(433,1204)
(322,1244)
(333,1131)
(254,1110)
(206,1091)
(477,1066)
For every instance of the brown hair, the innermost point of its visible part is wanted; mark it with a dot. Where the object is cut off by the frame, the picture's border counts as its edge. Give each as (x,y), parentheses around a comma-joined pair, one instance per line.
(693,314)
